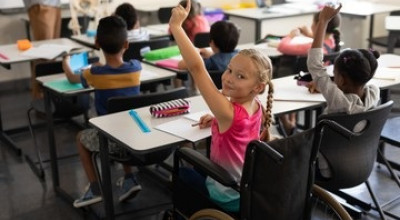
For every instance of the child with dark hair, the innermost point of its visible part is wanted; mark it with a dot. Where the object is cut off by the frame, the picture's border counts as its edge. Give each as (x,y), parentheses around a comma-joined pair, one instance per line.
(349,92)
(224,37)
(115,78)
(127,12)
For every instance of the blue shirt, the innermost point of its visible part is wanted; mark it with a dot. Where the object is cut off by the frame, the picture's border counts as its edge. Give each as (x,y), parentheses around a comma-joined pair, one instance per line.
(109,82)
(219,61)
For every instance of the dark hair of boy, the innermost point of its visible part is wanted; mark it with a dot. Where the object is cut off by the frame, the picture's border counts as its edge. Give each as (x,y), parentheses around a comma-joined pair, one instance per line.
(127,12)
(358,65)
(111,34)
(225,36)
(333,28)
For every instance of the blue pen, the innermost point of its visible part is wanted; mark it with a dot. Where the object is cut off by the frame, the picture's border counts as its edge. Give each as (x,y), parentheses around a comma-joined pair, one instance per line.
(139,121)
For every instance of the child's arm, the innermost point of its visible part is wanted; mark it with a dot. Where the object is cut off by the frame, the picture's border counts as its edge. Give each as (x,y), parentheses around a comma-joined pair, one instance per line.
(219,105)
(72,78)
(325,16)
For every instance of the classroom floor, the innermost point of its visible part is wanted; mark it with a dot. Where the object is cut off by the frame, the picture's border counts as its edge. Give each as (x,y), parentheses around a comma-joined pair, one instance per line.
(24,196)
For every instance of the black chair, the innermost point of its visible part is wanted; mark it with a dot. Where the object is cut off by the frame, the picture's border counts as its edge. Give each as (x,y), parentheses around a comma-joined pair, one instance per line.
(202,40)
(136,48)
(391,41)
(276,180)
(352,151)
(122,103)
(61,107)
(164,14)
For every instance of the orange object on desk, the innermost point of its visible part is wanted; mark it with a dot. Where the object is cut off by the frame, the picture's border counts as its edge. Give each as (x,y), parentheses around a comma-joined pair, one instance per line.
(24,44)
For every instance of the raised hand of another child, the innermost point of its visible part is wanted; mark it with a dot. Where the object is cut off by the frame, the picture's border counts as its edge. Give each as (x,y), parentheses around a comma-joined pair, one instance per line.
(205,121)
(179,14)
(312,87)
(328,12)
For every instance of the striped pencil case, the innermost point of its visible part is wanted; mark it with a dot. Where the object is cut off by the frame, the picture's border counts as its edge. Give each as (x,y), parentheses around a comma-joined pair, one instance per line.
(170,108)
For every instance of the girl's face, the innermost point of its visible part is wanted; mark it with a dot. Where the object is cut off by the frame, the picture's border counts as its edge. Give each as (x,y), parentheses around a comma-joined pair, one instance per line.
(240,80)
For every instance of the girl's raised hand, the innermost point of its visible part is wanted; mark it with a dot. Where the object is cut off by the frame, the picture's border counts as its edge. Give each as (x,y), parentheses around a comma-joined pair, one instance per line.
(329,11)
(179,14)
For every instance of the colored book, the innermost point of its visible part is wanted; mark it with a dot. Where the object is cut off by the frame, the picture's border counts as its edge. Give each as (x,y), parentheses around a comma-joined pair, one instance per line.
(63,85)
(168,63)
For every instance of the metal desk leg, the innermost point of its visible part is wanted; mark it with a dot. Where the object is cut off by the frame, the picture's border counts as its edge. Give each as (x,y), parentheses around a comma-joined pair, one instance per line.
(106,178)
(52,142)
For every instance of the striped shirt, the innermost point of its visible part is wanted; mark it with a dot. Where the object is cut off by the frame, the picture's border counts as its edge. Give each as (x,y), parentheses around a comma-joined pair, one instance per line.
(109,82)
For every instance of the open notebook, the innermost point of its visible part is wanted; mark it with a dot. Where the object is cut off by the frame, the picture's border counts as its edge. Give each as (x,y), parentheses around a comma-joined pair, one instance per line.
(48,51)
(183,128)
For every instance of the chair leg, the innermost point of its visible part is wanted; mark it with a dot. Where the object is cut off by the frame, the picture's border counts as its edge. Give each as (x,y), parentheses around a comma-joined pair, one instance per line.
(378,207)
(39,171)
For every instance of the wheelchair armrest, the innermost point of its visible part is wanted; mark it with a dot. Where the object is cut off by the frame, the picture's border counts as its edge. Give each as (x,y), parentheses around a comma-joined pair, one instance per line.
(205,165)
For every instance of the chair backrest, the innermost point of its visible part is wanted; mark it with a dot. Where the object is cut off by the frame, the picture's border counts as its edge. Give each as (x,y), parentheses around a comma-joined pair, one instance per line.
(122,103)
(202,40)
(134,50)
(164,14)
(351,159)
(277,185)
(216,77)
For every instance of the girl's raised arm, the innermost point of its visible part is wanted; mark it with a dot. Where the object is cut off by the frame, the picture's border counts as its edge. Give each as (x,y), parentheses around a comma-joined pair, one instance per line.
(219,105)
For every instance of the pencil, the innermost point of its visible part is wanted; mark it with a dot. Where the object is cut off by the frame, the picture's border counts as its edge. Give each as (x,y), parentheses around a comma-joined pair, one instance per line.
(3,56)
(195,124)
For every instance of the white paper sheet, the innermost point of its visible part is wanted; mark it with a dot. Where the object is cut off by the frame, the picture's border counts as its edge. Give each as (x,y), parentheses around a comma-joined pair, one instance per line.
(183,128)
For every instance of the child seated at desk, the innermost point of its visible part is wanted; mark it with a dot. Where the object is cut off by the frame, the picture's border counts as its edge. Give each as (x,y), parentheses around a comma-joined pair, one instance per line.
(349,91)
(224,37)
(127,12)
(288,47)
(237,120)
(115,78)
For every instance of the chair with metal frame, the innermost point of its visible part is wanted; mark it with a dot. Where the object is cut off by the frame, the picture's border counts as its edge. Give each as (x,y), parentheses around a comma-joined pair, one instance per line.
(357,149)
(272,173)
(62,108)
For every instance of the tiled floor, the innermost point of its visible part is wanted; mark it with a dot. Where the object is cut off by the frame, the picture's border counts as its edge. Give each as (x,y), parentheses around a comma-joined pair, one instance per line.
(24,196)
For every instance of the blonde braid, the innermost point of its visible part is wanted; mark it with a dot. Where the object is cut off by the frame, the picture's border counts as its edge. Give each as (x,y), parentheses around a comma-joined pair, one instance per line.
(267,120)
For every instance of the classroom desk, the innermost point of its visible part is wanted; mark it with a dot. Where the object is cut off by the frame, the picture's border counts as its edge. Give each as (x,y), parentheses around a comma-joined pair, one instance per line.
(14,56)
(155,31)
(149,74)
(255,23)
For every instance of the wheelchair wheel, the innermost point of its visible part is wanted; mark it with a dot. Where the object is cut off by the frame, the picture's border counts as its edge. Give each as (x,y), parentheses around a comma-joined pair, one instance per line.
(325,206)
(210,214)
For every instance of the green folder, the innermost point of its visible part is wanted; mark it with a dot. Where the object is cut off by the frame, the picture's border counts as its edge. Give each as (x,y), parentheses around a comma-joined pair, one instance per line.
(63,85)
